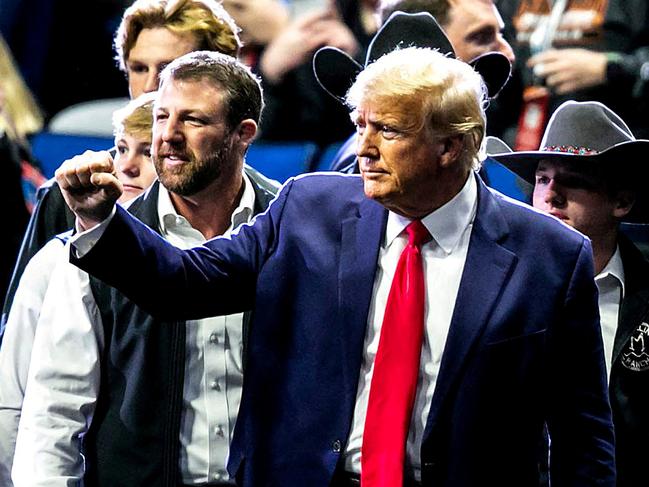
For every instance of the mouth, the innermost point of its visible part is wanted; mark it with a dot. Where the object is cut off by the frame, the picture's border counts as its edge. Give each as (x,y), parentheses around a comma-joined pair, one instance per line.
(132,187)
(174,159)
(370,170)
(369,176)
(559,215)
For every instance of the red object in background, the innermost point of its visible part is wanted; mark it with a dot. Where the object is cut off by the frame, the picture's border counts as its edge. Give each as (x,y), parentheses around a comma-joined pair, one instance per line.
(32,179)
(533,118)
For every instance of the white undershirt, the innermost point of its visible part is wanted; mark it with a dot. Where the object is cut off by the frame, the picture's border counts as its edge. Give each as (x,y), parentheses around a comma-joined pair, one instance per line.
(610,284)
(444,258)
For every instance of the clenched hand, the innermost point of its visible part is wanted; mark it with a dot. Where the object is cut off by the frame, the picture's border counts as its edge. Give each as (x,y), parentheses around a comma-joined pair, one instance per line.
(89,186)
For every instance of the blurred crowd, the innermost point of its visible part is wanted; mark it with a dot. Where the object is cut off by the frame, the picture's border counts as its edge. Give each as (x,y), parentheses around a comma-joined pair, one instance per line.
(73,52)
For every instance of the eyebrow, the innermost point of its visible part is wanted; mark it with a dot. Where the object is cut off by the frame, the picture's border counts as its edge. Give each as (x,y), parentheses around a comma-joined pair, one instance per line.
(482,30)
(388,120)
(134,62)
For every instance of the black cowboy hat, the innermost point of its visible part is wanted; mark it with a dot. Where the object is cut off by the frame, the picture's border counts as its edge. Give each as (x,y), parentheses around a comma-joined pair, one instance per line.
(589,133)
(336,71)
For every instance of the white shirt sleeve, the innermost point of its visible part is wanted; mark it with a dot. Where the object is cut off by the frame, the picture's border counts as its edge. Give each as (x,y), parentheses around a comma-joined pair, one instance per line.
(83,242)
(16,350)
(63,383)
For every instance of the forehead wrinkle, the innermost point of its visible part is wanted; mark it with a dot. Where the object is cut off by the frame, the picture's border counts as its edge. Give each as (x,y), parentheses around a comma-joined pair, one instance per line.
(400,113)
(211,95)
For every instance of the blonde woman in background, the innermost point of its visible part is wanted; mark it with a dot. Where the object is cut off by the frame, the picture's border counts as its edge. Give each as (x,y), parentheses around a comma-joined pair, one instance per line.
(19,117)
(20,114)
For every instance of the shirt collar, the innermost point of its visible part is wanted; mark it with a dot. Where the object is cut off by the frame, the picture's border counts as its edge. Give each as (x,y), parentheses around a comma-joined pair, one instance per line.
(169,218)
(244,211)
(613,268)
(446,224)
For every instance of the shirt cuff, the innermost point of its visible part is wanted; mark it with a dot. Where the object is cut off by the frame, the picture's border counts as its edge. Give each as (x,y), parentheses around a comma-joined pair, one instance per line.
(83,242)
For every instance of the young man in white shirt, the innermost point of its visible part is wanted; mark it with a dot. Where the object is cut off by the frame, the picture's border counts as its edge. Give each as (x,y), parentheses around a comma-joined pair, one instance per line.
(132,127)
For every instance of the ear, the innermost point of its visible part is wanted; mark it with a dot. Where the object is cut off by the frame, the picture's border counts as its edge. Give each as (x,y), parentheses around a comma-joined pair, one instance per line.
(624,201)
(450,148)
(245,132)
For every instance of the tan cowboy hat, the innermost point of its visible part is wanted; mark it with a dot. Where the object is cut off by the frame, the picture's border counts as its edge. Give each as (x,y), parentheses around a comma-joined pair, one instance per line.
(586,133)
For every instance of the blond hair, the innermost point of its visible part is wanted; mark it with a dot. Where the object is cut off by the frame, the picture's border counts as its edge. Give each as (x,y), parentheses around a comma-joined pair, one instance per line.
(136,118)
(439,93)
(206,20)
(21,114)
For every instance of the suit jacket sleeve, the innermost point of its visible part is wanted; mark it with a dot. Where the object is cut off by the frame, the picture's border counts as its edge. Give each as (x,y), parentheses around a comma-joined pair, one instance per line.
(579,423)
(215,279)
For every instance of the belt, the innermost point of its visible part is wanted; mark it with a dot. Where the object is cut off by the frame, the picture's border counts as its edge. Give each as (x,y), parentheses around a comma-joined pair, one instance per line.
(348,479)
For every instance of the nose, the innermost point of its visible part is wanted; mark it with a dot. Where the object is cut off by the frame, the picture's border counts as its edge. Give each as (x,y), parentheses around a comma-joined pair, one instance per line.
(366,146)
(170,130)
(152,79)
(128,164)
(503,47)
(554,195)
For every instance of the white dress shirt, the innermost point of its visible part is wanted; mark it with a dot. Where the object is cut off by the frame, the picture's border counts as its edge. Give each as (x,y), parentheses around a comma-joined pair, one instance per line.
(444,258)
(213,368)
(62,383)
(610,284)
(16,350)
(62,393)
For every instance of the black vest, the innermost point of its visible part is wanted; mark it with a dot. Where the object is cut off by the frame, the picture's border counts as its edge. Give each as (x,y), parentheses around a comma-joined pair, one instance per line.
(133,439)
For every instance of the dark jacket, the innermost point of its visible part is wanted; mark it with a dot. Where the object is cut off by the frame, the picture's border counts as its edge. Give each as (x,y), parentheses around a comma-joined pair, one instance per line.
(13,203)
(133,439)
(629,381)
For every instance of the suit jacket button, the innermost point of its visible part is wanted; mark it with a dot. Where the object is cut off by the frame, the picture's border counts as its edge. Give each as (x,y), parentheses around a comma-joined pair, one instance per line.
(336,446)
(428,465)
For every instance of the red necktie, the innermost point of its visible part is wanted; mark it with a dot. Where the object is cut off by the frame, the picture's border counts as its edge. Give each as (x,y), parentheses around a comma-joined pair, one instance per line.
(396,368)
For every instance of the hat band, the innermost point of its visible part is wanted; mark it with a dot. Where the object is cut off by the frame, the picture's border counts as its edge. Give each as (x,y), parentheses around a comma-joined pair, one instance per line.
(570,149)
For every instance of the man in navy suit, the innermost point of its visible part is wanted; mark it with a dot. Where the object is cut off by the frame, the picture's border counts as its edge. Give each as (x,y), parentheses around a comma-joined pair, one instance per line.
(510,335)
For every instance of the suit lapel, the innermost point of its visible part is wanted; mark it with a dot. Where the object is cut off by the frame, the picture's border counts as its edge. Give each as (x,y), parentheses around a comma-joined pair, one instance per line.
(635,305)
(486,271)
(361,238)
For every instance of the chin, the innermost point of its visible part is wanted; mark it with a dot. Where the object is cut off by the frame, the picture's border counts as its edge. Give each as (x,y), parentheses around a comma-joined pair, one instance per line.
(126,197)
(374,191)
